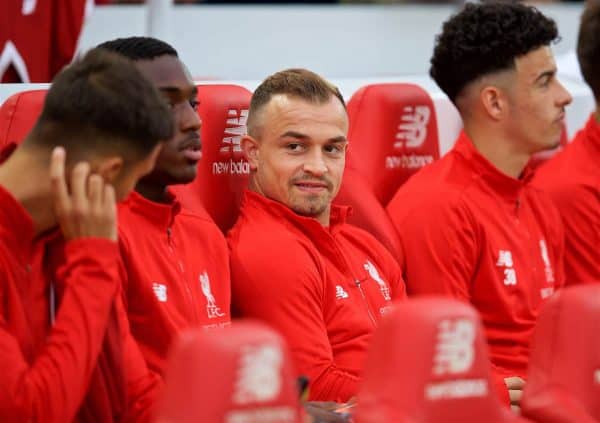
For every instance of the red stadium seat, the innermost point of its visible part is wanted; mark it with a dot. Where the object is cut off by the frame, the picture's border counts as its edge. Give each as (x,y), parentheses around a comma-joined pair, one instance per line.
(563,384)
(223,170)
(428,362)
(18,114)
(393,133)
(240,374)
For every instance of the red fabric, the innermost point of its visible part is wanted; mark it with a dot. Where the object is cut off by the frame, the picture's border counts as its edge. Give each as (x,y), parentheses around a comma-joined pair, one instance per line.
(311,283)
(223,170)
(429,362)
(46,369)
(572,179)
(167,251)
(564,378)
(18,115)
(471,232)
(36,44)
(241,374)
(393,133)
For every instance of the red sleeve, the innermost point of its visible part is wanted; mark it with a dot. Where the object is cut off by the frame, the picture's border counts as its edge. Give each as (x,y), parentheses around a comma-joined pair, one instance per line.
(143,385)
(580,214)
(283,286)
(52,388)
(440,250)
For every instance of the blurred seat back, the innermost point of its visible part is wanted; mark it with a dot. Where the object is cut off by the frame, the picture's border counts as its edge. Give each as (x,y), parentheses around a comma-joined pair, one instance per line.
(18,114)
(240,374)
(223,171)
(563,383)
(393,133)
(428,362)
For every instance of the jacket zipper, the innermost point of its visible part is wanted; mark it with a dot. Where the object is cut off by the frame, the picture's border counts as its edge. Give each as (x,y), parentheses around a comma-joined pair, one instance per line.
(188,291)
(356,282)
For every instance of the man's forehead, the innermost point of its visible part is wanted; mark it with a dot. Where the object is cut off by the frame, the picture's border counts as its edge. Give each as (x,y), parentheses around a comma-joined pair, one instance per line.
(166,71)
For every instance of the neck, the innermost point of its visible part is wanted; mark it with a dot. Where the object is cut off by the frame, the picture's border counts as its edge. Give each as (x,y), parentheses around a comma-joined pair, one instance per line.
(31,188)
(499,150)
(152,191)
(597,113)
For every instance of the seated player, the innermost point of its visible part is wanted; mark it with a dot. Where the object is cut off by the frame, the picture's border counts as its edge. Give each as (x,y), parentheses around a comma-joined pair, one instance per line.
(65,346)
(295,263)
(177,260)
(471,225)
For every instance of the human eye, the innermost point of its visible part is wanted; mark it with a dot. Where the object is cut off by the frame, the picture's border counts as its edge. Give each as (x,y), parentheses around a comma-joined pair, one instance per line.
(334,149)
(294,147)
(194,103)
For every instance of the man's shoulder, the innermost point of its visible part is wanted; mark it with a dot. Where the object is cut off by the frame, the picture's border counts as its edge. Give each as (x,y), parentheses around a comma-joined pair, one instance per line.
(439,185)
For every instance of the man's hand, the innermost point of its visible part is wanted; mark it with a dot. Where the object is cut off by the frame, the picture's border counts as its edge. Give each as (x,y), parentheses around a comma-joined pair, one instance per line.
(89,210)
(515,387)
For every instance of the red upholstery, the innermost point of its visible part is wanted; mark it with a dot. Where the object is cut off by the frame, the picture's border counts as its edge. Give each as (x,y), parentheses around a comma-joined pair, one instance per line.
(393,133)
(18,114)
(240,374)
(222,171)
(428,362)
(563,383)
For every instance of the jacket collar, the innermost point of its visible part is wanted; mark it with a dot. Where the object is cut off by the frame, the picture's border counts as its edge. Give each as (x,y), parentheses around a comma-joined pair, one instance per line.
(338,214)
(507,186)
(162,214)
(13,215)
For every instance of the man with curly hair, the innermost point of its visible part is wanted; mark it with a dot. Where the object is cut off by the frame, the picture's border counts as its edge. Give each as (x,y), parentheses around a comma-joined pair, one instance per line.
(572,178)
(471,225)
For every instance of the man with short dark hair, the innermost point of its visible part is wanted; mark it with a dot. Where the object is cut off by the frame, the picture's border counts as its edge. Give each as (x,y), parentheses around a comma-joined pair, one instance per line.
(295,262)
(572,178)
(65,348)
(177,260)
(471,225)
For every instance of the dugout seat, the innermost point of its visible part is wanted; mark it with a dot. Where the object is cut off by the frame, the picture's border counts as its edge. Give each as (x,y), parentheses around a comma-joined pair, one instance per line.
(428,363)
(240,374)
(393,133)
(223,171)
(18,114)
(563,382)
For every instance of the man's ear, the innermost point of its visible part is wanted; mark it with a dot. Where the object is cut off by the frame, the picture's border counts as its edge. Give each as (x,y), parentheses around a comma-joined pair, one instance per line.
(494,102)
(109,168)
(250,148)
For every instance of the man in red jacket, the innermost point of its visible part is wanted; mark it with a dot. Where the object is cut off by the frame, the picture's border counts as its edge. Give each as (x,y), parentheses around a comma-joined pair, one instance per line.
(65,348)
(471,225)
(295,262)
(177,261)
(572,178)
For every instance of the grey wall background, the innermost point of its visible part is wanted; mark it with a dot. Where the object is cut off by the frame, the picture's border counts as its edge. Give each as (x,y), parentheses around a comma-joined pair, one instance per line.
(338,41)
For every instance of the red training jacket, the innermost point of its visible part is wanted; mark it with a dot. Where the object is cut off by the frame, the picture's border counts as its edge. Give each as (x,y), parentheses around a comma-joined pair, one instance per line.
(46,368)
(177,273)
(324,288)
(572,178)
(473,233)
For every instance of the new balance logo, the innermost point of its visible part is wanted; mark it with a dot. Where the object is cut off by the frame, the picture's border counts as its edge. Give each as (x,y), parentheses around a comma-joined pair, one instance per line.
(236,128)
(160,291)
(340,294)
(454,352)
(412,130)
(259,374)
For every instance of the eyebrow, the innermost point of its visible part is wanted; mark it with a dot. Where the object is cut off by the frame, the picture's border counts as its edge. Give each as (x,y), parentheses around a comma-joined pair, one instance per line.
(300,136)
(176,91)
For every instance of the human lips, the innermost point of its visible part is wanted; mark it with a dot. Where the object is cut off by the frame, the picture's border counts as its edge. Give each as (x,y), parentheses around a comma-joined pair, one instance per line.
(311,186)
(192,147)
